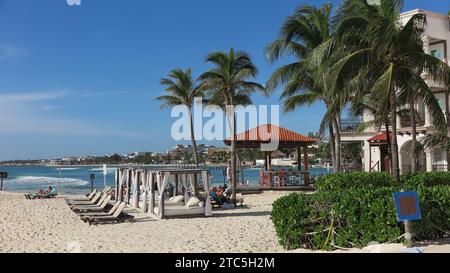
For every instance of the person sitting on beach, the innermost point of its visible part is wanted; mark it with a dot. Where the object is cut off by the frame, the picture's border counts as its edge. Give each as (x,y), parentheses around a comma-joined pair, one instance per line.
(220,191)
(42,192)
(213,192)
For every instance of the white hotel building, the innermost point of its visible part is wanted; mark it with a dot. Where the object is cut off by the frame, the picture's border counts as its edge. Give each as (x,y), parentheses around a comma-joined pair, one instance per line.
(436,38)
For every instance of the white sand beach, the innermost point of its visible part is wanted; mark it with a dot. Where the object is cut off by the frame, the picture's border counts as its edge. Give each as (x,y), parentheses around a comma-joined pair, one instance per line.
(50,226)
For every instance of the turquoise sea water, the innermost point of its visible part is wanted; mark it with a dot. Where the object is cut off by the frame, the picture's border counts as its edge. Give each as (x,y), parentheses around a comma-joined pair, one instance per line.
(75,180)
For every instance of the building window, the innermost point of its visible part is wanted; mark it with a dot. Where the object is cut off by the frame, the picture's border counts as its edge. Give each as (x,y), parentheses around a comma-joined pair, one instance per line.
(441,103)
(436,53)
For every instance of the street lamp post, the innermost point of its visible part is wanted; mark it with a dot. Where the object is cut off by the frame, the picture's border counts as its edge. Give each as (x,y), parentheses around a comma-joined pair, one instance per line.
(92,176)
(2,176)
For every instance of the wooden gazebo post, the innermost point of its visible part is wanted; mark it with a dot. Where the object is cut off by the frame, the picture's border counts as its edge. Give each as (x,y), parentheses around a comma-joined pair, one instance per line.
(270,168)
(299,158)
(305,158)
(266,166)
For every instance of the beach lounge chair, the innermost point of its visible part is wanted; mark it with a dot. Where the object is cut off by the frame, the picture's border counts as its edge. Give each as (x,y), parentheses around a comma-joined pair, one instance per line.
(216,202)
(52,194)
(86,208)
(93,213)
(118,216)
(88,197)
(94,200)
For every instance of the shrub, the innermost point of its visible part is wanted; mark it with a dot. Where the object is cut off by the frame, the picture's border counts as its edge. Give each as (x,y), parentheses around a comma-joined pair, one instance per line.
(359,208)
(427,179)
(435,210)
(344,181)
(293,216)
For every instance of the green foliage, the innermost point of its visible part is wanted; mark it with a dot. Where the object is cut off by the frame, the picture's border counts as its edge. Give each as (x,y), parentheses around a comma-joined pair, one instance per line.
(353,209)
(293,218)
(345,181)
(435,209)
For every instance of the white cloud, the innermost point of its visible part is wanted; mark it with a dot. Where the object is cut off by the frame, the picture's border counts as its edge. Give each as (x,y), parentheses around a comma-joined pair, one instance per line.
(22,113)
(10,52)
(73,2)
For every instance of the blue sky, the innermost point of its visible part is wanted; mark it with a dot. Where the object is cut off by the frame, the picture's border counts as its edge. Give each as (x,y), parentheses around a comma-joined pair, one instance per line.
(78,80)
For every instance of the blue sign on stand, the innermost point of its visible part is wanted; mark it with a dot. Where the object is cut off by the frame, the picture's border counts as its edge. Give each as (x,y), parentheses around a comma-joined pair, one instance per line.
(407,204)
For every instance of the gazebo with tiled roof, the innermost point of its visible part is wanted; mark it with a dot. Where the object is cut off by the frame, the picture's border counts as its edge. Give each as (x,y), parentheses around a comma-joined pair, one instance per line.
(264,134)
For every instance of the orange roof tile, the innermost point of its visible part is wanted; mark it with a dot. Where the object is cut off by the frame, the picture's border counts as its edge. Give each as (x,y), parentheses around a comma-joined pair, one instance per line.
(381,137)
(268,132)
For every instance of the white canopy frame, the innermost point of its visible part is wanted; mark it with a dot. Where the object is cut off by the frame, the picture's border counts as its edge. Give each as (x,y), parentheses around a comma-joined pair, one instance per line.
(141,187)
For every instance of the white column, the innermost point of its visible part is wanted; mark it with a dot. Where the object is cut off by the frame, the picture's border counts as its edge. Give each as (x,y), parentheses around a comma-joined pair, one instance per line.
(427,117)
(426,44)
(366,156)
(429,160)
(400,159)
(445,158)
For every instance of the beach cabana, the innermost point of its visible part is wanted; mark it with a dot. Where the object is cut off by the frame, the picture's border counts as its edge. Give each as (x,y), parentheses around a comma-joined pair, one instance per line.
(264,134)
(146,189)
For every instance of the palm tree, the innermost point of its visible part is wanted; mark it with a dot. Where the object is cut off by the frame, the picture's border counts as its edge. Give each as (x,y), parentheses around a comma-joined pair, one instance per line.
(307,30)
(182,90)
(387,53)
(228,85)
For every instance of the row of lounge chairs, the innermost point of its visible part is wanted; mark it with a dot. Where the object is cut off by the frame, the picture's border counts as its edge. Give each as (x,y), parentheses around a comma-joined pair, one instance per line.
(97,208)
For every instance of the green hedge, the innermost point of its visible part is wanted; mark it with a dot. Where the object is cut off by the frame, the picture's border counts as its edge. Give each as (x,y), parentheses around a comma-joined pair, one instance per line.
(359,208)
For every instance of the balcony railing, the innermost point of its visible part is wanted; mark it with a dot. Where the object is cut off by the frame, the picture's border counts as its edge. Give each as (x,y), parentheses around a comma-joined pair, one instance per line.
(406,120)
(276,179)
(350,125)
(440,167)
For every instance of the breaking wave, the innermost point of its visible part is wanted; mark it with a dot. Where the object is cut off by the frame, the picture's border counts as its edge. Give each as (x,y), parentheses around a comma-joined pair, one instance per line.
(108,170)
(43,180)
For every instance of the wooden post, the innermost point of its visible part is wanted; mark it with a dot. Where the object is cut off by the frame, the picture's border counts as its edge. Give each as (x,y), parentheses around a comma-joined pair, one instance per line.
(175,192)
(195,185)
(408,233)
(127,199)
(145,184)
(161,209)
(116,197)
(152,192)
(137,197)
(120,186)
(299,158)
(266,166)
(305,158)
(269,159)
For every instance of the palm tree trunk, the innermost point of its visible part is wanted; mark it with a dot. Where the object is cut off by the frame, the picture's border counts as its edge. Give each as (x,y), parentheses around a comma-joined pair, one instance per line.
(394,145)
(233,160)
(413,138)
(388,143)
(332,147)
(230,113)
(338,147)
(194,143)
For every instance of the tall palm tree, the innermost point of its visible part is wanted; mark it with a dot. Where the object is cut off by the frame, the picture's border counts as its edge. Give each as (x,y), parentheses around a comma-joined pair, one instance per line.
(228,85)
(182,90)
(307,30)
(389,54)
